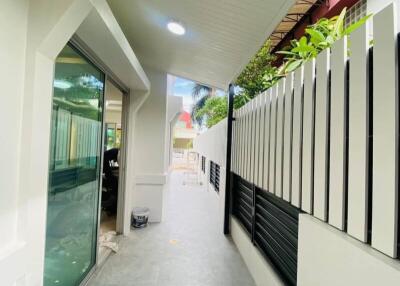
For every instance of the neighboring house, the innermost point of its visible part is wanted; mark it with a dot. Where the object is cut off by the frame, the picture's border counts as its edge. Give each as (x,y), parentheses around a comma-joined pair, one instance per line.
(184,133)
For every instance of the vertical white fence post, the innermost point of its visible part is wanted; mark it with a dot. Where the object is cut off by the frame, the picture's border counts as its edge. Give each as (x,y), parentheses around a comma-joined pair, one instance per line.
(253,106)
(308,138)
(297,137)
(337,167)
(322,113)
(287,147)
(358,135)
(261,142)
(272,147)
(267,128)
(279,138)
(257,139)
(385,133)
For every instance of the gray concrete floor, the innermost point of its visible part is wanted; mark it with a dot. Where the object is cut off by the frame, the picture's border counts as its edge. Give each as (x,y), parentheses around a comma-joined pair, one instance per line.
(186,249)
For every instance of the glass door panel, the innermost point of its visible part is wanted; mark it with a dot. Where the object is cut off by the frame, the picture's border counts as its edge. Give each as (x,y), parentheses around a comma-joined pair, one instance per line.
(74,172)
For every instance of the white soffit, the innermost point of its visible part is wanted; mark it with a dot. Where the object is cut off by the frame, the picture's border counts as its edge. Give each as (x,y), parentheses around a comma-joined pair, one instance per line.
(101,32)
(221,35)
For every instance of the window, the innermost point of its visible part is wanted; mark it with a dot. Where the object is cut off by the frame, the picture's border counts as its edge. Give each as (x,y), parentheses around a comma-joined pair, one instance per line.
(356,12)
(203,164)
(214,175)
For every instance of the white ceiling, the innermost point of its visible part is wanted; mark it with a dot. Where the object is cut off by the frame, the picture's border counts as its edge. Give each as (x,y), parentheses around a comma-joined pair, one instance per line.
(221,35)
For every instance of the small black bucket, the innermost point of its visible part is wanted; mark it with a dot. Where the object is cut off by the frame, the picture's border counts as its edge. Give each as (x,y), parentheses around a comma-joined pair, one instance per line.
(140,217)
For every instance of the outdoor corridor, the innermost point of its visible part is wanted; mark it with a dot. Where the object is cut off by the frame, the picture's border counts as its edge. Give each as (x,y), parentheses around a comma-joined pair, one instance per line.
(186,249)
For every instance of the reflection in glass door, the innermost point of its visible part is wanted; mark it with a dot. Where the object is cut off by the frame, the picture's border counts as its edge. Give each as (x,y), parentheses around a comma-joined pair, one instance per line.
(73,193)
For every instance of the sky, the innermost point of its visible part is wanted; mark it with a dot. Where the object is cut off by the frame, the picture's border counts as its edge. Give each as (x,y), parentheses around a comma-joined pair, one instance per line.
(183,88)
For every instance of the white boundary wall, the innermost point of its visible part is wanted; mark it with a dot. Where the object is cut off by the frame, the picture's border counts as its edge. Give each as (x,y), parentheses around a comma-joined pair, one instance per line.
(212,145)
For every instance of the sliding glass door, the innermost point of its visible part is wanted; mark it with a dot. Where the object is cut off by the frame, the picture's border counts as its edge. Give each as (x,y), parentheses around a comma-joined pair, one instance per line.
(74,172)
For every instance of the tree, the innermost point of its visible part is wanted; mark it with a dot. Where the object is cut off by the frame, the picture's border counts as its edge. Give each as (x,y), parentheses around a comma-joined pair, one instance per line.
(214,110)
(200,94)
(253,79)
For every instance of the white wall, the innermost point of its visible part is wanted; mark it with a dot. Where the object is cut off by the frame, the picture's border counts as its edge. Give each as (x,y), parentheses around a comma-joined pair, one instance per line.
(263,273)
(212,143)
(174,108)
(32,35)
(328,256)
(12,58)
(149,147)
(29,47)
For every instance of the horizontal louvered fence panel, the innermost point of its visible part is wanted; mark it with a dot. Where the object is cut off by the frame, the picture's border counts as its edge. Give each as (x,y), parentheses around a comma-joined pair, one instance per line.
(271,223)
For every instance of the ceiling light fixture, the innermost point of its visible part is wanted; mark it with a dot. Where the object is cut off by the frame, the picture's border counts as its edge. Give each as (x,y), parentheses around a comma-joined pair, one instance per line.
(176,28)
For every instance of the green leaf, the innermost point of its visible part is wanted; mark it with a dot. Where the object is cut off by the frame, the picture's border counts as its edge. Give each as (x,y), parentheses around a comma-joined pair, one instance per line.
(303,49)
(338,28)
(286,53)
(293,65)
(356,25)
(303,41)
(315,34)
(330,40)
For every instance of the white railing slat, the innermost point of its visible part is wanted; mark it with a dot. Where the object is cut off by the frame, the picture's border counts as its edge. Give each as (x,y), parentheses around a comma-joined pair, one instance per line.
(257,139)
(252,136)
(240,133)
(233,153)
(267,125)
(297,137)
(308,138)
(358,135)
(247,143)
(287,145)
(262,143)
(321,136)
(338,132)
(272,148)
(279,138)
(385,133)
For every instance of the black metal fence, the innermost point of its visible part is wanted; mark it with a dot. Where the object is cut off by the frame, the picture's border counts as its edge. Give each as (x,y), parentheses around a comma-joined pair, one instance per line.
(271,223)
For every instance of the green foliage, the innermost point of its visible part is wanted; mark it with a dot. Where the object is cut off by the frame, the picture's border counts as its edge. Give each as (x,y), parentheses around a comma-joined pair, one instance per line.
(214,110)
(199,104)
(252,80)
(200,90)
(260,74)
(318,37)
(200,94)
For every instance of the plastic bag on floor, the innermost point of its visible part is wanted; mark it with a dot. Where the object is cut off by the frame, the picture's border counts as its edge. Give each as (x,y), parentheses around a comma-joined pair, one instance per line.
(106,240)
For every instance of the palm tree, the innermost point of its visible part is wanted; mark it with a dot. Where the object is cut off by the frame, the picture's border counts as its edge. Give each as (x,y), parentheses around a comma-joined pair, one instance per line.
(200,94)
(200,89)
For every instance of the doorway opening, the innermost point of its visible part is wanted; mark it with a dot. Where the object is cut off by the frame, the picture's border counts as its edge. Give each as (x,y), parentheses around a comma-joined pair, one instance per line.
(112,161)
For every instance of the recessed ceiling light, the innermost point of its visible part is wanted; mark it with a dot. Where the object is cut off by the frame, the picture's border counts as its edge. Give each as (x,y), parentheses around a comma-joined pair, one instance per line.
(176,28)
